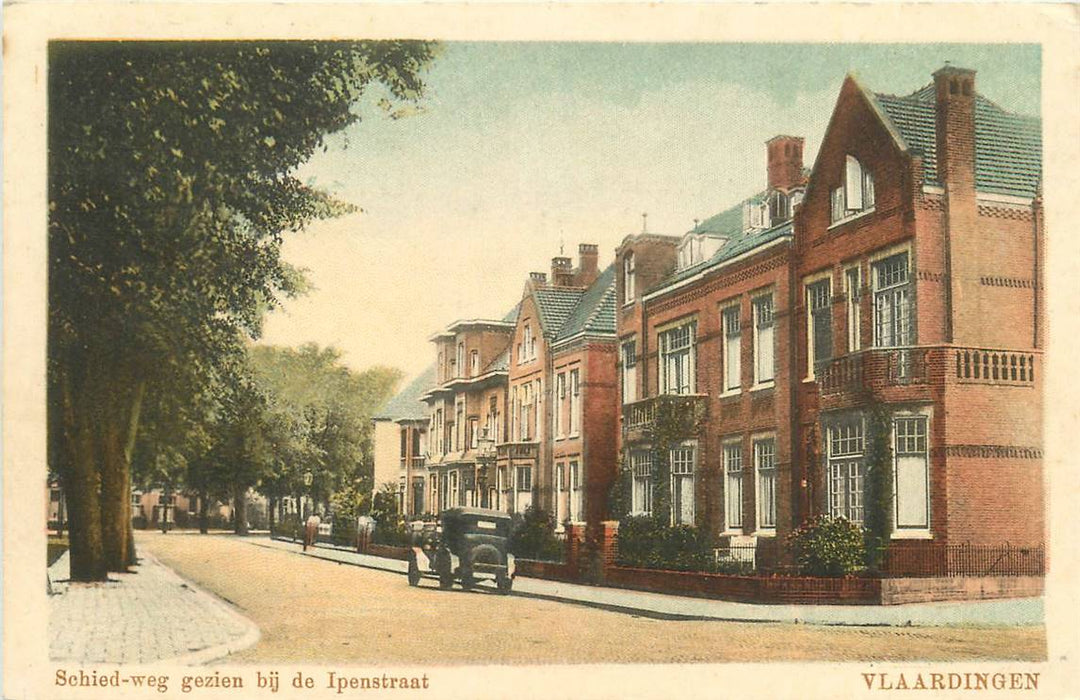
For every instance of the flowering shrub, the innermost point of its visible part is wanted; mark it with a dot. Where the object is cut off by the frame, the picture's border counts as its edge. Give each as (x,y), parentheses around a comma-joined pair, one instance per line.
(828,546)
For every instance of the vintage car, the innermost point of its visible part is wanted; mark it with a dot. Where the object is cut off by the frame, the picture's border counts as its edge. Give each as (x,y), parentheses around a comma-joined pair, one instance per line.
(467,545)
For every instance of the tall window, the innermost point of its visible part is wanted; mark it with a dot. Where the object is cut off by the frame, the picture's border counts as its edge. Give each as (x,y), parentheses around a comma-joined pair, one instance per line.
(492,427)
(732,348)
(575,492)
(474,363)
(892,302)
(524,478)
(765,466)
(515,414)
(912,473)
(474,433)
(527,347)
(437,428)
(575,402)
(733,486)
(526,411)
(629,371)
(629,281)
(855,194)
(459,424)
(454,491)
(460,361)
(819,302)
(853,290)
(641,466)
(677,359)
(764,361)
(560,397)
(847,470)
(560,495)
(538,394)
(682,484)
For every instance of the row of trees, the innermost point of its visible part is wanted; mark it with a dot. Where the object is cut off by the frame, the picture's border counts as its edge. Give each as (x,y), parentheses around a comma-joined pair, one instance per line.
(172,182)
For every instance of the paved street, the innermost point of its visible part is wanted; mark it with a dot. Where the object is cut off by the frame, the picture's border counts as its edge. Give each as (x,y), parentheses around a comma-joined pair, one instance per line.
(311,609)
(140,617)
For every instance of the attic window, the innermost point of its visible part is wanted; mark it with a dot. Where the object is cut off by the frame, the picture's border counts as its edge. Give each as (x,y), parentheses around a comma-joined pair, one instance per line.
(855,194)
(756,215)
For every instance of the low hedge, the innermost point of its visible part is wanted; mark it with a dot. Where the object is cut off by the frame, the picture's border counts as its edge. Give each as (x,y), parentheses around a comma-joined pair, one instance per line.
(647,543)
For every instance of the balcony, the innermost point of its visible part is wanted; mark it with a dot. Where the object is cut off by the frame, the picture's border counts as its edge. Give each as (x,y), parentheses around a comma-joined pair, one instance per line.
(870,370)
(518,450)
(642,417)
(979,366)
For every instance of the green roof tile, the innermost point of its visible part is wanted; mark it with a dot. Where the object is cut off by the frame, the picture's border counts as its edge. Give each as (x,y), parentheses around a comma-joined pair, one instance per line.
(406,403)
(555,304)
(595,311)
(1008,147)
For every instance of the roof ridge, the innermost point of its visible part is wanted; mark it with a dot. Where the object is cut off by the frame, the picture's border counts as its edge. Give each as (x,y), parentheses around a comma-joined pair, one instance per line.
(608,293)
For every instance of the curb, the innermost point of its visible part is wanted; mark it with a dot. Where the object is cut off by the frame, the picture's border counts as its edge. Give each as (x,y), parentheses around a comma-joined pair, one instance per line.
(212,653)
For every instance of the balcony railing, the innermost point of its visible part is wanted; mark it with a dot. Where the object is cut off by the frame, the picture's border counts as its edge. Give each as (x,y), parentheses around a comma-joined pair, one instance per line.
(643,415)
(994,366)
(517,450)
(874,368)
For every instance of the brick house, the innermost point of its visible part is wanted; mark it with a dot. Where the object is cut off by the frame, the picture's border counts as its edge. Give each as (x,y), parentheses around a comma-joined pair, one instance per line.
(466,411)
(558,454)
(886,307)
(706,387)
(919,299)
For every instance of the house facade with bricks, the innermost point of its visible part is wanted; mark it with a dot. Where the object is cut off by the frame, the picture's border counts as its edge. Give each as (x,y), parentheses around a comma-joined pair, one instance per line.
(865,341)
(400,444)
(919,302)
(705,385)
(558,455)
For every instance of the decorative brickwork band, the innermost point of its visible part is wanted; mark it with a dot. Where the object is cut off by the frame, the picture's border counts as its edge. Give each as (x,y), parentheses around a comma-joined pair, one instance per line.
(1006,282)
(991,451)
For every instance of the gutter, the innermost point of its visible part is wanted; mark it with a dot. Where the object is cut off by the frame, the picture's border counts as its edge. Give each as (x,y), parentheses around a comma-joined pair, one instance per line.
(786,238)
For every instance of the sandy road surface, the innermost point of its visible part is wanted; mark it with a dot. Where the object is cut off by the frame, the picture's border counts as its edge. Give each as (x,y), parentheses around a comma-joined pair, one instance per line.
(317,611)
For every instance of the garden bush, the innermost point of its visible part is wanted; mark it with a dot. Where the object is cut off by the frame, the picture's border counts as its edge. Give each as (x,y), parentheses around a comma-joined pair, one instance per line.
(647,543)
(532,536)
(394,533)
(288,526)
(828,546)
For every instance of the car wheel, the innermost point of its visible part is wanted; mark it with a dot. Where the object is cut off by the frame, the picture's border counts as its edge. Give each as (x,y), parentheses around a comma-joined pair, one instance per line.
(504,583)
(446,576)
(467,581)
(414,572)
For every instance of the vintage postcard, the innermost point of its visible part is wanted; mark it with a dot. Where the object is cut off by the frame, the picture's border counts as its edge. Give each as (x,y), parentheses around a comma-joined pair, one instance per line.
(539,351)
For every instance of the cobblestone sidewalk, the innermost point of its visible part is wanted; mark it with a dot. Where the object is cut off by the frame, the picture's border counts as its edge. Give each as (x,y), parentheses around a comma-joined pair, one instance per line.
(142,617)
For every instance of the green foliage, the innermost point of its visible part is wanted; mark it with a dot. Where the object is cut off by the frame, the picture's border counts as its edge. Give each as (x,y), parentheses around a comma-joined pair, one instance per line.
(648,543)
(349,503)
(288,526)
(828,546)
(384,506)
(879,484)
(394,533)
(532,536)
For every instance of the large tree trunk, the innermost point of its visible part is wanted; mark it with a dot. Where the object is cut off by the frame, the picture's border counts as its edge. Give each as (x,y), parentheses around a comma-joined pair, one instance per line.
(115,500)
(82,485)
(240,510)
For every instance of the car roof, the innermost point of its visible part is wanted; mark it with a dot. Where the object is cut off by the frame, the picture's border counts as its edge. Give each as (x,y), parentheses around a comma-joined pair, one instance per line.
(477,512)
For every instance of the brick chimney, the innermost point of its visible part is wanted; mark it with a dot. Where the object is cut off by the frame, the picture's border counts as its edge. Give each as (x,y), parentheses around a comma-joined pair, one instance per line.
(537,279)
(588,264)
(954,89)
(562,273)
(785,162)
(954,95)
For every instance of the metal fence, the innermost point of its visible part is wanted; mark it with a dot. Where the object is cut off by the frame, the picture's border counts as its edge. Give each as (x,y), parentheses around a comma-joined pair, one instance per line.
(963,560)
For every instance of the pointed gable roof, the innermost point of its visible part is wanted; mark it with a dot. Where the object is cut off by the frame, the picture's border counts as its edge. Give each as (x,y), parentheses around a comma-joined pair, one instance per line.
(554,305)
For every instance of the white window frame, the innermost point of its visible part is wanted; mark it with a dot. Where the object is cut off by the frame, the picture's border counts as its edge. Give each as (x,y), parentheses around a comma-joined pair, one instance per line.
(853,292)
(732,451)
(453,490)
(560,398)
(629,279)
(757,303)
(731,348)
(460,359)
(668,358)
(641,481)
(900,450)
(560,491)
(888,293)
(522,478)
(628,355)
(854,196)
(811,350)
(845,468)
(681,469)
(577,501)
(761,499)
(575,402)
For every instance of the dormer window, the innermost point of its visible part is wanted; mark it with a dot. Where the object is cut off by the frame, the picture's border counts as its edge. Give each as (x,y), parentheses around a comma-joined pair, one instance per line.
(855,194)
(779,207)
(756,215)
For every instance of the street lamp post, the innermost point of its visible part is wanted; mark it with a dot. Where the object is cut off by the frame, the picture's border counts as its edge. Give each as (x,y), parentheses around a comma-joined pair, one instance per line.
(485,457)
(308,479)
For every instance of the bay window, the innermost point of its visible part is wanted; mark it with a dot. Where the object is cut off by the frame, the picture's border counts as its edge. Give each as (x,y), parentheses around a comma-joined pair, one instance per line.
(912,473)
(846,455)
(677,359)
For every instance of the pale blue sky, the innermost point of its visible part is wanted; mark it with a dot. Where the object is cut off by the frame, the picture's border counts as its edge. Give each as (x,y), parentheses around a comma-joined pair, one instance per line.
(520,146)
